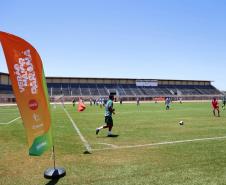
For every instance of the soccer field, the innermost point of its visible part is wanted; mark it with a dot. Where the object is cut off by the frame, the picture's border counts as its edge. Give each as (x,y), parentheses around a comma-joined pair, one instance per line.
(151,147)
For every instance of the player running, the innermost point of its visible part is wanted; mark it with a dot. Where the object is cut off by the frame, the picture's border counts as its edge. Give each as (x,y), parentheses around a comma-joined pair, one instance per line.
(109,110)
(215,106)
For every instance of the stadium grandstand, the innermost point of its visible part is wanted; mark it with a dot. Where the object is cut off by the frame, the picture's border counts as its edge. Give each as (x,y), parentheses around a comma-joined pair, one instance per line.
(128,89)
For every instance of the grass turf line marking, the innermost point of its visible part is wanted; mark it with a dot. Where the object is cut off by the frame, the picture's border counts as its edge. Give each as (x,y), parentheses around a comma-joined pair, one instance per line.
(85,142)
(10,121)
(162,143)
(107,144)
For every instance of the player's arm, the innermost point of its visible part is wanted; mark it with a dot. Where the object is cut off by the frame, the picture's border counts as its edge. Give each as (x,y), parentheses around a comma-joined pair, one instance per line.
(111,109)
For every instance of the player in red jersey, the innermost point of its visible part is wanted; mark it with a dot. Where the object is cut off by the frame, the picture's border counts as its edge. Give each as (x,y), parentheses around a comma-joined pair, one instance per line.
(215,106)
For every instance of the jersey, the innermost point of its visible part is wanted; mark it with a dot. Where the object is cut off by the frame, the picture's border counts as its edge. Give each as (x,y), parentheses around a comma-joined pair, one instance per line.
(215,104)
(167,101)
(108,105)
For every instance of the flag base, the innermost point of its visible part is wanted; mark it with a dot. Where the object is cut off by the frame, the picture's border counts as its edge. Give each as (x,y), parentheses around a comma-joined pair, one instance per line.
(87,152)
(54,173)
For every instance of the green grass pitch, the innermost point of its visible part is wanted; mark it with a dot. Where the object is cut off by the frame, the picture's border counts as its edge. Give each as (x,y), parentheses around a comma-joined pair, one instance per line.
(140,155)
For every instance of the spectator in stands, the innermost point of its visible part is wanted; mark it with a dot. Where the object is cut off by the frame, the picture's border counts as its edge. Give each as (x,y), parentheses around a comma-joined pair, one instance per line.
(223,102)
(215,106)
(167,103)
(109,110)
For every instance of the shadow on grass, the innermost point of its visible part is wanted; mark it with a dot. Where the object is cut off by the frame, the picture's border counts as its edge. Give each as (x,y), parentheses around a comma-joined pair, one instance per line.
(53,181)
(113,135)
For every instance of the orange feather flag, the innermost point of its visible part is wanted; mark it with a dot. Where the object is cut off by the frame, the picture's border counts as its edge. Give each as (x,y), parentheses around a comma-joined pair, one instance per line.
(29,87)
(81,105)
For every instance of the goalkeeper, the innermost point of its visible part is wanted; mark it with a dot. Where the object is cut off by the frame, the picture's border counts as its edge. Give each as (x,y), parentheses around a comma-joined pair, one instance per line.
(109,110)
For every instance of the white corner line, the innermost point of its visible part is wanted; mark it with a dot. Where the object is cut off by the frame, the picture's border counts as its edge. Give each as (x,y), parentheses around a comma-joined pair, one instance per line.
(10,121)
(161,143)
(85,142)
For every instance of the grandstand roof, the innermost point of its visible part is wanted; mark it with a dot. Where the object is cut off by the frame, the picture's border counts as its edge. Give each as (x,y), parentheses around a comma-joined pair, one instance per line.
(99,78)
(115,79)
(60,77)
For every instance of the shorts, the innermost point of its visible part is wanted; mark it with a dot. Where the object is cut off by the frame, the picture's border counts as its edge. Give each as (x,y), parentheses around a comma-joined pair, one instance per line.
(108,120)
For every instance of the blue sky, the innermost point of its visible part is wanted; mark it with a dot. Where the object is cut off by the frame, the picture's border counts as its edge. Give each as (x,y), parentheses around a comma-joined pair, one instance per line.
(154,39)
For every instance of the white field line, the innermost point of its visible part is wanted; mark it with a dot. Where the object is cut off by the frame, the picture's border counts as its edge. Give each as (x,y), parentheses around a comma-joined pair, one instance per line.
(8,104)
(10,121)
(85,142)
(161,143)
(108,144)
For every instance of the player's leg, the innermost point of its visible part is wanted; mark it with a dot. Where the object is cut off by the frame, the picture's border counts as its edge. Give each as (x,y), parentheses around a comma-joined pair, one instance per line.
(102,127)
(218,112)
(167,107)
(214,112)
(109,125)
(109,130)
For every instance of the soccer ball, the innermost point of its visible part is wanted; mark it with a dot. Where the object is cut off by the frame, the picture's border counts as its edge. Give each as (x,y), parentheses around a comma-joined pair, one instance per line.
(181,123)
